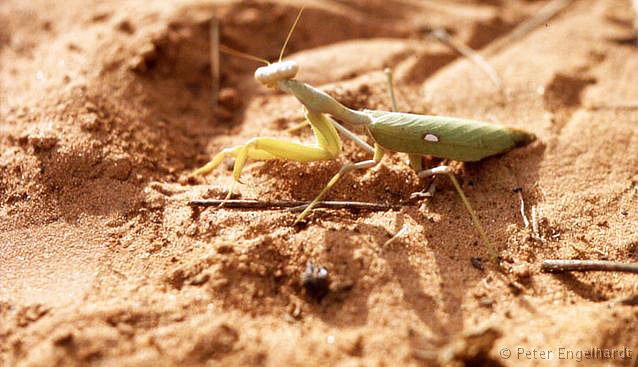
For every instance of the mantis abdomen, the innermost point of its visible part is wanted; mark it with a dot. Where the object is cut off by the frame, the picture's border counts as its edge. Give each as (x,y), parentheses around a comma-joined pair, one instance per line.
(443,137)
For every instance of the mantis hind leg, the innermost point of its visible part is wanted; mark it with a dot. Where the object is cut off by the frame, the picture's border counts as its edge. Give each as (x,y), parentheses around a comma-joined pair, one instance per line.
(477,223)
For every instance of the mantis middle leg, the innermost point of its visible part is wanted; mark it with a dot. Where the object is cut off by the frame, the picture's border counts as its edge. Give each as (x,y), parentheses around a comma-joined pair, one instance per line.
(345,169)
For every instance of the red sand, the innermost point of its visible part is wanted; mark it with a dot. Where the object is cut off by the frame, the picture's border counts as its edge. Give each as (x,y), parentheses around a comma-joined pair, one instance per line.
(104,112)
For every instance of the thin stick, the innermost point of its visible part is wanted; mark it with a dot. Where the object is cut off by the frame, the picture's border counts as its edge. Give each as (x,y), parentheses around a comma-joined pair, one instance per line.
(519,191)
(445,38)
(401,232)
(545,14)
(536,234)
(281,54)
(614,106)
(557,266)
(277,204)
(214,62)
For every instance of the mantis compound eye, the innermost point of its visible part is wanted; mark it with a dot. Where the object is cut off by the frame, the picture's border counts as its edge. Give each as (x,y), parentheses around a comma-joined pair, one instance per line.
(271,74)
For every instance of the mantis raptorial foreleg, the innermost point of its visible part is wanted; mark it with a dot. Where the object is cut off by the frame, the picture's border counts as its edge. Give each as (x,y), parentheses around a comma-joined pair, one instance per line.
(349,134)
(327,147)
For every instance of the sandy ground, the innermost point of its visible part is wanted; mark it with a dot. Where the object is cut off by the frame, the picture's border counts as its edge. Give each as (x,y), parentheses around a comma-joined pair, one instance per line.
(104,112)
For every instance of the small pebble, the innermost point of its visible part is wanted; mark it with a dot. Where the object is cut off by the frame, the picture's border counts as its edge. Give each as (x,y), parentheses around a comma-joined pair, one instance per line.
(315,281)
(477,263)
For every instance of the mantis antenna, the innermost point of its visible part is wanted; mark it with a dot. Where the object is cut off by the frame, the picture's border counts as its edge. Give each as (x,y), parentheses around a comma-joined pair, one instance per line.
(233,52)
(294,25)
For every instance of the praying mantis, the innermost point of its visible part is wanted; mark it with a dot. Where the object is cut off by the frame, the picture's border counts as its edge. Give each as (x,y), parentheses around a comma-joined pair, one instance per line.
(417,135)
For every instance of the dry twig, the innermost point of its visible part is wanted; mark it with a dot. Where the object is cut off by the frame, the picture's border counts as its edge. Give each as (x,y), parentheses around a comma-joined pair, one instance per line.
(401,232)
(278,204)
(558,266)
(214,61)
(445,38)
(543,15)
(519,191)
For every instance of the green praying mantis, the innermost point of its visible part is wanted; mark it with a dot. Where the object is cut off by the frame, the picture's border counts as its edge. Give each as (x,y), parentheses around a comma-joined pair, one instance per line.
(417,135)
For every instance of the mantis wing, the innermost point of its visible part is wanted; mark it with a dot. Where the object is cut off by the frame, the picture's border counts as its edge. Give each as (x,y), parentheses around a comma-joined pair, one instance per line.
(444,137)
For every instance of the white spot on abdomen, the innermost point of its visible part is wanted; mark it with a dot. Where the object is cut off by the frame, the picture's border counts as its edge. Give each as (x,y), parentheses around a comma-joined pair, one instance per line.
(431,138)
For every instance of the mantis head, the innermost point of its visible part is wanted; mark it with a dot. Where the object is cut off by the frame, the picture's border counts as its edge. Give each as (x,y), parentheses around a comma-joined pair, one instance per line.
(271,74)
